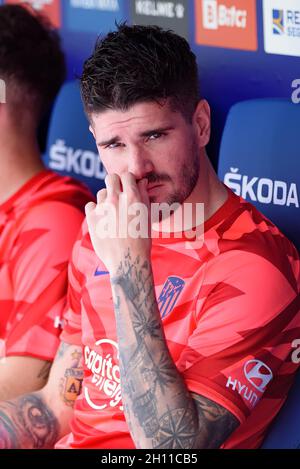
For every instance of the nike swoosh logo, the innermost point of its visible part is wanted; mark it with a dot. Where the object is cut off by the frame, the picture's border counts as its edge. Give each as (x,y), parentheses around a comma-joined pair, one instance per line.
(100,272)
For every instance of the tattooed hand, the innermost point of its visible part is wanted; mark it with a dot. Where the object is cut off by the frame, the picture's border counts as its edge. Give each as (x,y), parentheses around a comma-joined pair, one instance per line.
(120,220)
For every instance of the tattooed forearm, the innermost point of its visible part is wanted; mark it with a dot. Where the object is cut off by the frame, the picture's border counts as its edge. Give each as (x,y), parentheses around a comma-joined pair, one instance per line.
(62,349)
(132,287)
(38,420)
(27,422)
(160,411)
(214,421)
(8,437)
(71,383)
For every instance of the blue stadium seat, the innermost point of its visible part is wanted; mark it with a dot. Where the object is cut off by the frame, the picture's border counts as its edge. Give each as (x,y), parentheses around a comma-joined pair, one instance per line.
(259,159)
(260,156)
(71,149)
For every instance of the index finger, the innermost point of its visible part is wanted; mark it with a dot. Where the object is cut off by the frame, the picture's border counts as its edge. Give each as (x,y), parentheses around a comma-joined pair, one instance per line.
(129,182)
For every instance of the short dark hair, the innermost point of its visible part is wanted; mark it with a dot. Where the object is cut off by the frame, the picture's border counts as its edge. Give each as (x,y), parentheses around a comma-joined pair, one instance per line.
(31,60)
(140,63)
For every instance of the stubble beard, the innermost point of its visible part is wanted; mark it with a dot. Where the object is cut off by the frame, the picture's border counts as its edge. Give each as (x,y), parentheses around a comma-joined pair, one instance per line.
(188,180)
(189,175)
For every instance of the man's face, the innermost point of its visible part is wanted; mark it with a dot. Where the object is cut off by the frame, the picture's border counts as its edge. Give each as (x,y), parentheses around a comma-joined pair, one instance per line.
(153,142)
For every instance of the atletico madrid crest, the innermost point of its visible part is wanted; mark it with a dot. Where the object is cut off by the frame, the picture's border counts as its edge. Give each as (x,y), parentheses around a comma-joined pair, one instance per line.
(169,295)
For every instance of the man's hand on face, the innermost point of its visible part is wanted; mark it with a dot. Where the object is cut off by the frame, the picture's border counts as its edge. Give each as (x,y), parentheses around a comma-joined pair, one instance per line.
(120,221)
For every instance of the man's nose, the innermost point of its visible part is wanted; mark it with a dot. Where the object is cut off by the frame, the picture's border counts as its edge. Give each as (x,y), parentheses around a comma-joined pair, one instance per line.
(139,163)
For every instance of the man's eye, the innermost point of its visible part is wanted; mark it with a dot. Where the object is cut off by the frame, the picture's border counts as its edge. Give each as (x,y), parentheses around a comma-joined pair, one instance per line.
(113,145)
(156,135)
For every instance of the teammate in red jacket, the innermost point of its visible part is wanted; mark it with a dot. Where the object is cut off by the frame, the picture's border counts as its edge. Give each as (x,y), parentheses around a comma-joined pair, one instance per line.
(40,212)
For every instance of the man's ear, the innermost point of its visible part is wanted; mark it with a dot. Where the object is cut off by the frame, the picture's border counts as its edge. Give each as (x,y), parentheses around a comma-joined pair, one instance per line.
(201,122)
